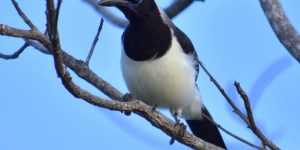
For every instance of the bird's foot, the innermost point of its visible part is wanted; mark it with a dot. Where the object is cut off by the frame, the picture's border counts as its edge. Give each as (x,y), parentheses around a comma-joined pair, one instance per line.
(180,133)
(154,107)
(181,129)
(127,97)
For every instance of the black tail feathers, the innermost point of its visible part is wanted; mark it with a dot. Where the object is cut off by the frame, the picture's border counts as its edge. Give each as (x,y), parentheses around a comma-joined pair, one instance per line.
(206,130)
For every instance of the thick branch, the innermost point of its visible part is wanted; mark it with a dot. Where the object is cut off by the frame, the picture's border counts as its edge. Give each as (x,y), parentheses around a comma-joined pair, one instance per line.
(282,27)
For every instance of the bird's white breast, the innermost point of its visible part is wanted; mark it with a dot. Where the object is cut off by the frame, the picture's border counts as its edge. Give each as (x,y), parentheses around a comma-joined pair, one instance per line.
(168,81)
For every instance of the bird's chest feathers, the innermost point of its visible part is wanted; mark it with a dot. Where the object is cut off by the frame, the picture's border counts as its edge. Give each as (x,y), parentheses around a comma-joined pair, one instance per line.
(168,81)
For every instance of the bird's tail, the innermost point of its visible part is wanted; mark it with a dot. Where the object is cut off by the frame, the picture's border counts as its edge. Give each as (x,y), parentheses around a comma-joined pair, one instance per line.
(206,130)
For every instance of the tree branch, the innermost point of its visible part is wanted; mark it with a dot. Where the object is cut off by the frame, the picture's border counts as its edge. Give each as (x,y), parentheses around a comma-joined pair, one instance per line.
(235,108)
(232,134)
(23,16)
(284,30)
(87,61)
(15,54)
(249,120)
(250,117)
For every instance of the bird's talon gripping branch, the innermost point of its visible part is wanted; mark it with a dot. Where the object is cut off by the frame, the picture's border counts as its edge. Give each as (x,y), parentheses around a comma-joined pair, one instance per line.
(127,97)
(180,133)
(154,107)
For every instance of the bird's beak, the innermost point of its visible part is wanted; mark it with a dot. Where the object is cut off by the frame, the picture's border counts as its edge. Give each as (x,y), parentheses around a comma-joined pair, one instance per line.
(113,2)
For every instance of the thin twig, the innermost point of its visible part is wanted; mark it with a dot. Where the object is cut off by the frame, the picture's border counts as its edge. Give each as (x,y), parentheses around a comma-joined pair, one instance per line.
(231,134)
(23,16)
(87,61)
(235,108)
(250,117)
(15,54)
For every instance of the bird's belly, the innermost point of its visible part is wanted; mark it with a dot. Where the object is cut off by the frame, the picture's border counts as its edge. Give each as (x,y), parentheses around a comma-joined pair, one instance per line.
(167,81)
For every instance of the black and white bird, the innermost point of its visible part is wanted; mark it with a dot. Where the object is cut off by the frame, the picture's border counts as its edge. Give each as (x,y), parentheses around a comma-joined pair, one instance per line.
(160,65)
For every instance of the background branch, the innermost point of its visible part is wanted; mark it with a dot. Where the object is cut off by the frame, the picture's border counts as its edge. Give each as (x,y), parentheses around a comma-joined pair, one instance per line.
(87,61)
(15,54)
(282,27)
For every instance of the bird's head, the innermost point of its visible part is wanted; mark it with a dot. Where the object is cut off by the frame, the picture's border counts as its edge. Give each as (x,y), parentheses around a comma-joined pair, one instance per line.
(134,9)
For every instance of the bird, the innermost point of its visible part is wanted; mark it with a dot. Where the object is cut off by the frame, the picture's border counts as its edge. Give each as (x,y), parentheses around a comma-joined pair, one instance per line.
(160,66)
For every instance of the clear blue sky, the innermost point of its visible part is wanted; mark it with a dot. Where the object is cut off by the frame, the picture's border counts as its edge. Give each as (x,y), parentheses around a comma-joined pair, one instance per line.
(232,38)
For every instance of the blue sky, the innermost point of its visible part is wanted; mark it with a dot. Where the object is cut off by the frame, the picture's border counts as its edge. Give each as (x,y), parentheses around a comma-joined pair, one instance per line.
(232,38)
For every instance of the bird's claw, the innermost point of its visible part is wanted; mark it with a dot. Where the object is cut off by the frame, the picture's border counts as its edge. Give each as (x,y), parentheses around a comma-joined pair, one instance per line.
(127,97)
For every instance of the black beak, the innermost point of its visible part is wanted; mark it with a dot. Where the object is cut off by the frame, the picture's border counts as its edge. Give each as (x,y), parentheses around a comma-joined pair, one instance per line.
(113,2)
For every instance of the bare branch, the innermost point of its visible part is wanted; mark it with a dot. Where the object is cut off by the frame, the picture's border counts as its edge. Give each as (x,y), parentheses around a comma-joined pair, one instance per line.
(282,27)
(235,108)
(94,42)
(15,54)
(232,134)
(249,121)
(250,117)
(23,16)
(177,7)
(25,34)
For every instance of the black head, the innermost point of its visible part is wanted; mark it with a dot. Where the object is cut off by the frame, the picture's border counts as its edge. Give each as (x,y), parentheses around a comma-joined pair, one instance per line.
(147,36)
(134,10)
